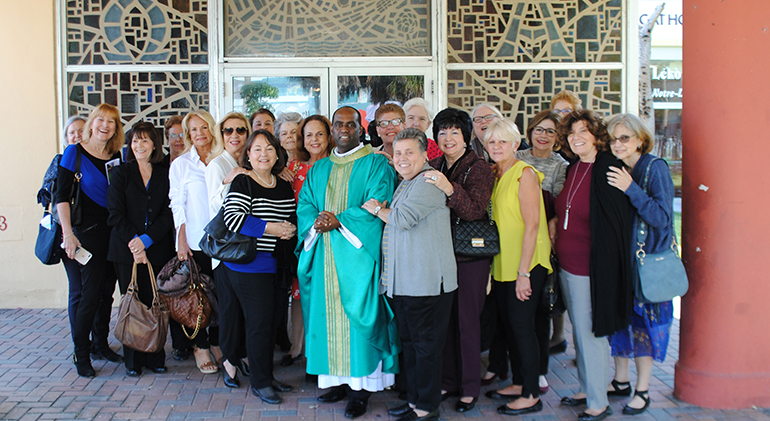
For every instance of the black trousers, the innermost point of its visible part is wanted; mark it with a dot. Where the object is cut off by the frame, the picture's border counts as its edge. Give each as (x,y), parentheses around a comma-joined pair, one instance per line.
(232,333)
(422,325)
(493,328)
(519,324)
(72,268)
(206,337)
(134,359)
(251,296)
(97,284)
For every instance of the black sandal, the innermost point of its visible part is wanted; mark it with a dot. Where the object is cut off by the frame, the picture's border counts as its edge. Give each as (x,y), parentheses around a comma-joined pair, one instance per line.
(617,390)
(635,411)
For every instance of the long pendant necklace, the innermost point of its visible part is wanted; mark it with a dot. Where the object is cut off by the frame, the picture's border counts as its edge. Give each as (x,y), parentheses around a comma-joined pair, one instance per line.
(571,194)
(269,185)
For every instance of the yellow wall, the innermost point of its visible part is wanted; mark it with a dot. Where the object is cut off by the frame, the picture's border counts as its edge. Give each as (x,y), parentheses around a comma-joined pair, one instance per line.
(28,118)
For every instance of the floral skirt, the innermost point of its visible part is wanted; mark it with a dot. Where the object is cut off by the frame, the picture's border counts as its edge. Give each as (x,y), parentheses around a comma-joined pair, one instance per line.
(647,335)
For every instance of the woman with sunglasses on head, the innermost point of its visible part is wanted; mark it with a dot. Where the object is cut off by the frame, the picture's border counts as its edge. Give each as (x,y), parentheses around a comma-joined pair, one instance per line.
(102,140)
(142,227)
(646,338)
(231,133)
(566,102)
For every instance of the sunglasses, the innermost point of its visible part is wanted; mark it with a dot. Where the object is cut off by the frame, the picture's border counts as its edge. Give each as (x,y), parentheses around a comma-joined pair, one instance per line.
(229,130)
(622,139)
(564,111)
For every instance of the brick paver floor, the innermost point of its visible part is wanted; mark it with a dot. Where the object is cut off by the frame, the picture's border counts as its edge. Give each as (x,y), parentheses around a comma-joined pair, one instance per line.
(38,381)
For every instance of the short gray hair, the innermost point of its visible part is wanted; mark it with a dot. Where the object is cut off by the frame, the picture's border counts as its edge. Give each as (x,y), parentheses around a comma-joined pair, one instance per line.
(422,103)
(413,134)
(290,117)
(67,124)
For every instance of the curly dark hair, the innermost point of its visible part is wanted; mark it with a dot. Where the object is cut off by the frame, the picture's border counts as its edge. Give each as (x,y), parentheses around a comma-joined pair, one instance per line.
(279,165)
(594,123)
(453,118)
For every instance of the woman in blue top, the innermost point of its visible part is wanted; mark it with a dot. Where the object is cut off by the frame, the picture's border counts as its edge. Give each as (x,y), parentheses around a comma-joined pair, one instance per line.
(646,339)
(259,205)
(98,149)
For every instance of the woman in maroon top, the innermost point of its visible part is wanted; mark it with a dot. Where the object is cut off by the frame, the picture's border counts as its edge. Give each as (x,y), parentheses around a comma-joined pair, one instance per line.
(591,231)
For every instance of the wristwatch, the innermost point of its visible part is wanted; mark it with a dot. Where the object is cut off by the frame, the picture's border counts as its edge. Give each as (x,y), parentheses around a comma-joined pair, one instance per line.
(526,275)
(377,210)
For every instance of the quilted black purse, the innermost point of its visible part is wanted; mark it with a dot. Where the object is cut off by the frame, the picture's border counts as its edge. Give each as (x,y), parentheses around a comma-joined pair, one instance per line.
(476,238)
(220,243)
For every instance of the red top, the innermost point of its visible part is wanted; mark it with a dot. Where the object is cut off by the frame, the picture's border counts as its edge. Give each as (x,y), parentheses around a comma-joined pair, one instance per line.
(433,150)
(299,179)
(573,245)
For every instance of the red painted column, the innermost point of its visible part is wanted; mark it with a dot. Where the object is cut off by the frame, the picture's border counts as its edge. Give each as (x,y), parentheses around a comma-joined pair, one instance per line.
(724,354)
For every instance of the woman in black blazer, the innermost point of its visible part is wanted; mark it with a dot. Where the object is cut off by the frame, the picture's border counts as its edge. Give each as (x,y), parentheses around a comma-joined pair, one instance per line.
(142,226)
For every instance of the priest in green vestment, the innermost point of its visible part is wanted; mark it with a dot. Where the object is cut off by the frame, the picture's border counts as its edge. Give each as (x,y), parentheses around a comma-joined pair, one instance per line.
(351,339)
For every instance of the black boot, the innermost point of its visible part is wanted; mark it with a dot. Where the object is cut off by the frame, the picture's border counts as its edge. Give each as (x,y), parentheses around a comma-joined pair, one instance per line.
(83,366)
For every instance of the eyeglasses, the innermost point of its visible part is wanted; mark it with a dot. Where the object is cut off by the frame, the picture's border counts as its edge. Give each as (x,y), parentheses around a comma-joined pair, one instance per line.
(622,139)
(539,130)
(229,130)
(564,111)
(488,117)
(174,136)
(385,123)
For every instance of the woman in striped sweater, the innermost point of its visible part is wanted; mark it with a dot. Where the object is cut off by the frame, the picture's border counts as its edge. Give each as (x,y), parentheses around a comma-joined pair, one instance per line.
(259,205)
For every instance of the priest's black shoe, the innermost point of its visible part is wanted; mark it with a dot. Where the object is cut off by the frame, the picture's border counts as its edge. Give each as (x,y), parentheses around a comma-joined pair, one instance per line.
(400,411)
(588,417)
(505,410)
(337,394)
(280,387)
(267,395)
(355,408)
(466,406)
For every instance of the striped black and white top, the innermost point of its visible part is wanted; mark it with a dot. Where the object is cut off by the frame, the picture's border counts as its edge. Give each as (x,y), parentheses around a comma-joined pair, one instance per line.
(265,205)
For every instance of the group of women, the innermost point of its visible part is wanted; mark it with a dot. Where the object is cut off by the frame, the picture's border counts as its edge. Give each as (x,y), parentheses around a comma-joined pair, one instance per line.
(575,190)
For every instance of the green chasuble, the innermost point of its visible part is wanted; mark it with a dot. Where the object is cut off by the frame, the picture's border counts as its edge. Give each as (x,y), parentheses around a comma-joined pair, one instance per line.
(349,327)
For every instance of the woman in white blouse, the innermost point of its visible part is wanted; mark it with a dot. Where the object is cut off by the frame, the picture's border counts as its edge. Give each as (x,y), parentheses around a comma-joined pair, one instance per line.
(231,133)
(189,204)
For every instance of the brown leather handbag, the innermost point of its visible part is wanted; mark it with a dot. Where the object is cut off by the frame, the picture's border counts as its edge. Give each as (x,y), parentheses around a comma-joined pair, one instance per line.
(139,327)
(188,305)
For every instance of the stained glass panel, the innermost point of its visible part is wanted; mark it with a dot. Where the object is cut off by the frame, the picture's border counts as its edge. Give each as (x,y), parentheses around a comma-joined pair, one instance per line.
(520,94)
(148,96)
(504,31)
(319,28)
(137,32)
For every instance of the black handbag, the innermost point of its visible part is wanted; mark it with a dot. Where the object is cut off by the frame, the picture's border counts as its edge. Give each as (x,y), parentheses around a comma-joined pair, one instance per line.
(218,242)
(551,299)
(660,276)
(76,211)
(476,238)
(49,238)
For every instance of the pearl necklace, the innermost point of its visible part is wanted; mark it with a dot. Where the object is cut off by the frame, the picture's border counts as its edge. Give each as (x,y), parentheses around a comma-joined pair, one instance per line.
(270,184)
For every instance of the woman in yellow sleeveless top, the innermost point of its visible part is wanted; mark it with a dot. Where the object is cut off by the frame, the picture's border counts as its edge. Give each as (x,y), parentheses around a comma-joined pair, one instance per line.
(523,263)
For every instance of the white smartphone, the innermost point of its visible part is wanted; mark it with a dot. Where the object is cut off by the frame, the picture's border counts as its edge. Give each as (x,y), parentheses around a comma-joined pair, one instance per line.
(82,256)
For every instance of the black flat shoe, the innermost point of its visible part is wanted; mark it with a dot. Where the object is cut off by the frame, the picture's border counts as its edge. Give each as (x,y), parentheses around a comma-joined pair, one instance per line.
(636,411)
(280,387)
(159,370)
(505,410)
(355,408)
(337,394)
(267,395)
(493,394)
(558,348)
(447,395)
(181,354)
(133,373)
(84,368)
(412,416)
(588,417)
(231,381)
(400,411)
(617,391)
(242,367)
(288,360)
(568,401)
(107,354)
(466,406)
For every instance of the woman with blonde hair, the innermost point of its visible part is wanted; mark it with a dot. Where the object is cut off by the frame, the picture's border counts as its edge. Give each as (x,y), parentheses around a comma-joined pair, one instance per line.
(190,206)
(87,229)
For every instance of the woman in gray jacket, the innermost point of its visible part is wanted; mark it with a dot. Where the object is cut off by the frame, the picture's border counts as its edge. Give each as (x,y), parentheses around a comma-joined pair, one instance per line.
(419,273)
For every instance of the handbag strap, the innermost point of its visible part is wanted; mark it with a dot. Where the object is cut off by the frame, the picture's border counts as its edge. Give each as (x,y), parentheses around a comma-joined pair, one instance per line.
(134,286)
(489,207)
(78,175)
(641,233)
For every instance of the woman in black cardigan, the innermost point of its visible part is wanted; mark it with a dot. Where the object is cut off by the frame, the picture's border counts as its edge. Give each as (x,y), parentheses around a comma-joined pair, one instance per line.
(142,226)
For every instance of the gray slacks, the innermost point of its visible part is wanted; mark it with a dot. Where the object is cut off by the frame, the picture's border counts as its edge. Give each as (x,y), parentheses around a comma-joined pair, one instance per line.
(593,354)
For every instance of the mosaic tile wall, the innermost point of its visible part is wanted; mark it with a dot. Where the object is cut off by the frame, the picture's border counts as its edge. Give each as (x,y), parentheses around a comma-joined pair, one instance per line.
(140,96)
(137,32)
(503,31)
(318,28)
(520,94)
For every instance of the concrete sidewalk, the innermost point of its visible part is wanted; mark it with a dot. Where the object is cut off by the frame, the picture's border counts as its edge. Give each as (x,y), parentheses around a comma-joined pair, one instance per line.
(38,381)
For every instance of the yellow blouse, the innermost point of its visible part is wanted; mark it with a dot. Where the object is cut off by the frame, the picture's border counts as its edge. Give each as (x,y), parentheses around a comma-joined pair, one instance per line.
(506,212)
